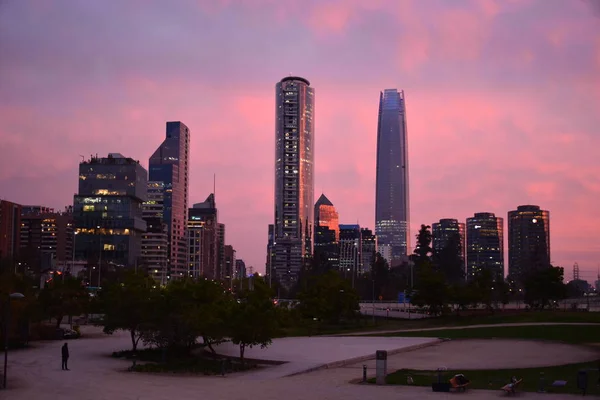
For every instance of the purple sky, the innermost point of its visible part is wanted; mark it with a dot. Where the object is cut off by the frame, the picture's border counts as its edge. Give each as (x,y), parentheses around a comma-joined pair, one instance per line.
(503,102)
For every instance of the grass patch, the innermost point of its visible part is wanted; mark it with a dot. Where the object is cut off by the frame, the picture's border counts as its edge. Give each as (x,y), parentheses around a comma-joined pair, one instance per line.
(482,317)
(495,379)
(560,333)
(474,317)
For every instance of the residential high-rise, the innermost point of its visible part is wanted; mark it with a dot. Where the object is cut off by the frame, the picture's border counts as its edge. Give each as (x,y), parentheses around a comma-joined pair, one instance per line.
(368,250)
(46,240)
(294,178)
(485,245)
(240,268)
(10,223)
(229,273)
(170,164)
(350,250)
(221,267)
(392,200)
(107,210)
(528,240)
(203,239)
(270,253)
(155,241)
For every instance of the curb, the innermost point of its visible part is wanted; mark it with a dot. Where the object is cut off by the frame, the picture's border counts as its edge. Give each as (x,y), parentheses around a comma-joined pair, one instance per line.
(342,363)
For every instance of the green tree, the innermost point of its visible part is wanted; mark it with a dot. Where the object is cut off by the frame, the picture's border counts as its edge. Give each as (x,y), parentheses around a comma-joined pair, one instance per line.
(254,318)
(423,250)
(329,298)
(431,290)
(543,286)
(187,309)
(129,305)
(380,272)
(63,296)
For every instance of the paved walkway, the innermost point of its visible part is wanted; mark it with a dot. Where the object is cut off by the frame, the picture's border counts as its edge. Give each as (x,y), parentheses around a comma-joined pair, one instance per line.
(443,328)
(491,354)
(35,374)
(305,354)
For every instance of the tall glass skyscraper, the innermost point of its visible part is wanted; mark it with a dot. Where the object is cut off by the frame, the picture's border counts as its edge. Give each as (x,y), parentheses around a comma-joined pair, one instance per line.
(485,245)
(391,199)
(294,180)
(170,164)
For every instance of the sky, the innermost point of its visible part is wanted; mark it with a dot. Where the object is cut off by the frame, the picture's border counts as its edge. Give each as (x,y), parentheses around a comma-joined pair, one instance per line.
(502,97)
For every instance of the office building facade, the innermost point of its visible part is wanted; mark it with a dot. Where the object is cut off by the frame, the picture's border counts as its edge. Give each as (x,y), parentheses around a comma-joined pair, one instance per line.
(107,211)
(528,240)
(350,250)
(392,196)
(294,178)
(170,165)
(368,250)
(203,240)
(485,245)
(155,241)
(449,232)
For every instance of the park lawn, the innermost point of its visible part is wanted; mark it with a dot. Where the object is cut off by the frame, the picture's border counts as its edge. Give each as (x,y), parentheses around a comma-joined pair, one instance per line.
(482,318)
(575,334)
(495,379)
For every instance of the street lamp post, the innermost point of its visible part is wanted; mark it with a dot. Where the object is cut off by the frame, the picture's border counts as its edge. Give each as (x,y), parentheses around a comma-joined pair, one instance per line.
(6,322)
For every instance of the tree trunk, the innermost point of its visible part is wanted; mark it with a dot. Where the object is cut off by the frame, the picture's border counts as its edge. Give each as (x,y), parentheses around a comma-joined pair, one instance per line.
(209,345)
(242,348)
(133,341)
(58,321)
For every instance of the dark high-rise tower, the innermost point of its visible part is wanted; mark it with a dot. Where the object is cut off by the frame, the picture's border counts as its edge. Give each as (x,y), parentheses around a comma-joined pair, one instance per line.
(528,240)
(170,164)
(392,201)
(294,180)
(448,232)
(485,245)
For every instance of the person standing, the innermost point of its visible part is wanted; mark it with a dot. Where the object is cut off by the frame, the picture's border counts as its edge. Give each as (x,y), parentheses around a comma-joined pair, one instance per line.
(65,357)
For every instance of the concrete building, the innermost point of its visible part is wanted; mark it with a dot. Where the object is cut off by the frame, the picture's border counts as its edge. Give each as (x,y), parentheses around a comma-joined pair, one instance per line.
(10,224)
(392,224)
(368,250)
(107,211)
(528,240)
(170,164)
(46,239)
(485,245)
(294,178)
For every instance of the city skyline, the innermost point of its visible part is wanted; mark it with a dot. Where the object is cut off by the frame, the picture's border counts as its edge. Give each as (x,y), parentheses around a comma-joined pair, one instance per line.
(501,108)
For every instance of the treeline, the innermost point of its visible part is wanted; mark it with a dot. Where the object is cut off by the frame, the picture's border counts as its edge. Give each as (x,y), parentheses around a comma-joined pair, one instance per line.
(186,313)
